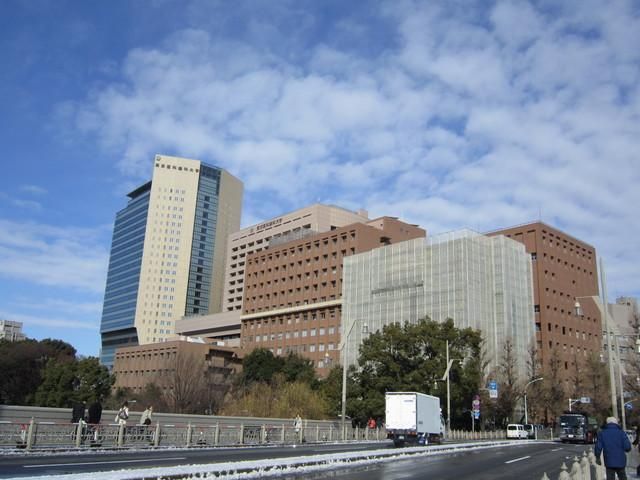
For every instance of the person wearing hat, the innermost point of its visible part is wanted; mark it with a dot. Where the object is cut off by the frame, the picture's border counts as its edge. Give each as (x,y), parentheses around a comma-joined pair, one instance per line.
(614,443)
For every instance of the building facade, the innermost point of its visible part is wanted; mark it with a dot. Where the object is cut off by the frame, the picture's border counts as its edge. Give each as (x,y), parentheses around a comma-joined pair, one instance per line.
(298,224)
(164,363)
(11,331)
(306,221)
(293,291)
(478,282)
(564,270)
(168,252)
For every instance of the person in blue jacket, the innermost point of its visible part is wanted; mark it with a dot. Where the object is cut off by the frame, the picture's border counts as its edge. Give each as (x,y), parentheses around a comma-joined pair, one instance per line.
(614,443)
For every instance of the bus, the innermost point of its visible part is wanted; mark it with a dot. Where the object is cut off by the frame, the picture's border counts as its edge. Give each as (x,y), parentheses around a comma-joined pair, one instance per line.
(578,427)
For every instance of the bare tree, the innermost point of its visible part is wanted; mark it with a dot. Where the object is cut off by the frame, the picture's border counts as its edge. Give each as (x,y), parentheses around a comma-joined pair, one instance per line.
(554,394)
(596,386)
(535,393)
(510,390)
(186,385)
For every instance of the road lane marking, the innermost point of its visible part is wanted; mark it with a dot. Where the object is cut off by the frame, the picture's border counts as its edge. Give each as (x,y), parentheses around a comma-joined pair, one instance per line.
(100,463)
(518,459)
(556,449)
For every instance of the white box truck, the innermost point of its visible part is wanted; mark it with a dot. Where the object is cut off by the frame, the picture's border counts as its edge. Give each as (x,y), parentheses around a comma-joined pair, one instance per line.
(413,418)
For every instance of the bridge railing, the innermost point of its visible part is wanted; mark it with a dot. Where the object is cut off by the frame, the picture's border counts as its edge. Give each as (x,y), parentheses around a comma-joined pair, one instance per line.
(62,435)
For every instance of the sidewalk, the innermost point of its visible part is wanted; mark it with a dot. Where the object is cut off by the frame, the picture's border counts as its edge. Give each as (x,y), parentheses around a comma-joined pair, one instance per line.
(633,460)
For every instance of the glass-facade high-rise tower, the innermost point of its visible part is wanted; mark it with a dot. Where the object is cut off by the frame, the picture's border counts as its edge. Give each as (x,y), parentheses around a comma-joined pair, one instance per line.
(168,252)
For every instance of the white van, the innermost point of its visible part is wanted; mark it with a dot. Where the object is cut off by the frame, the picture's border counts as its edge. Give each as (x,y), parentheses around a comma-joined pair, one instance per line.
(517,431)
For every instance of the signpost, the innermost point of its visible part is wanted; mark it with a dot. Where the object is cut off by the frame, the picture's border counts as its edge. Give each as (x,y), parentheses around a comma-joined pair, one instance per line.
(493,389)
(475,411)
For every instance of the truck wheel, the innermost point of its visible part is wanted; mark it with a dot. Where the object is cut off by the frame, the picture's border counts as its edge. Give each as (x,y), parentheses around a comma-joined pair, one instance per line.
(398,443)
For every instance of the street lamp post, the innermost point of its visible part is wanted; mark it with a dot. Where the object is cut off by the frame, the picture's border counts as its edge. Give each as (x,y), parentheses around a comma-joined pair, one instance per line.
(526,418)
(446,377)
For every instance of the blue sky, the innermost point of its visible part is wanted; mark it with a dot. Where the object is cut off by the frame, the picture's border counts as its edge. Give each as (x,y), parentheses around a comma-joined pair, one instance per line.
(446,114)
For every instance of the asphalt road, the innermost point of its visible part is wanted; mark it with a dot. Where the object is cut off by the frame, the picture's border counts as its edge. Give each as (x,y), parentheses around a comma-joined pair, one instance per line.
(87,462)
(523,462)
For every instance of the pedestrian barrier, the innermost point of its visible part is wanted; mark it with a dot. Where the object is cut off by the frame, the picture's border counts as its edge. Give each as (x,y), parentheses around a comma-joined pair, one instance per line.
(60,435)
(583,468)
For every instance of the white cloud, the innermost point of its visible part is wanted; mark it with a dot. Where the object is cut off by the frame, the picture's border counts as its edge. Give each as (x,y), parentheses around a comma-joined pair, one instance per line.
(48,321)
(54,256)
(34,189)
(471,117)
(26,204)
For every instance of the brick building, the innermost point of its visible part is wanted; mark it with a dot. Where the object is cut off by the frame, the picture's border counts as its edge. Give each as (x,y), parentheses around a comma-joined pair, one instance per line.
(293,291)
(135,367)
(564,269)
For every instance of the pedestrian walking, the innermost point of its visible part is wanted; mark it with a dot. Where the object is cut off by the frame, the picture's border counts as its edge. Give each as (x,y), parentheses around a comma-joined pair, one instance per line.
(78,412)
(145,422)
(636,442)
(145,418)
(95,412)
(297,426)
(614,444)
(123,414)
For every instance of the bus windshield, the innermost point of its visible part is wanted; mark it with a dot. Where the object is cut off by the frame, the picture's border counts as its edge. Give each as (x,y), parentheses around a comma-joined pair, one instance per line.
(571,420)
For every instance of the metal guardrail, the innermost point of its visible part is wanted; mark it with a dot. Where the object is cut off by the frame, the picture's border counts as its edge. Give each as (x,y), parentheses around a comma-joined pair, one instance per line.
(51,435)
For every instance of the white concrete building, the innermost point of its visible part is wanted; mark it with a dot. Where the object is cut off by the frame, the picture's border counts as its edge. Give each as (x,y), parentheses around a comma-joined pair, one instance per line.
(11,331)
(479,282)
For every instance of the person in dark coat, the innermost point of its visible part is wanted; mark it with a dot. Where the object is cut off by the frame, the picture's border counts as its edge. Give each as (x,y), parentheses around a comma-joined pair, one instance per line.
(95,412)
(614,443)
(77,412)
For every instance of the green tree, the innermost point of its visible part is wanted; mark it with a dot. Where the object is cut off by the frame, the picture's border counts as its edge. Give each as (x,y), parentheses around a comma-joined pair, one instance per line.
(411,357)
(331,389)
(22,365)
(299,369)
(66,382)
(260,366)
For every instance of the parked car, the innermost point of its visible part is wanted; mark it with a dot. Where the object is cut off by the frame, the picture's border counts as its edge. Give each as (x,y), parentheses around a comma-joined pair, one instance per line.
(516,431)
(530,429)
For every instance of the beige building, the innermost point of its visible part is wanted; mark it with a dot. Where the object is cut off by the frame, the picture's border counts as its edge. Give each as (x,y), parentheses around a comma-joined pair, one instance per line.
(160,363)
(293,290)
(168,252)
(307,221)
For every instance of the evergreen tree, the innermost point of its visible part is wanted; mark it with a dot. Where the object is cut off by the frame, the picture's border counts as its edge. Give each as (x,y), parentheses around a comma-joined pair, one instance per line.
(411,357)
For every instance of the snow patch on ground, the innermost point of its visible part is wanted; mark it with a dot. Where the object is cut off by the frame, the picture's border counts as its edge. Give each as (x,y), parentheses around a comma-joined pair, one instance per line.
(275,467)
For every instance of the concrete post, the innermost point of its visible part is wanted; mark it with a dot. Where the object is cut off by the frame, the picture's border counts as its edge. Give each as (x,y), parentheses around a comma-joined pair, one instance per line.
(30,433)
(121,428)
(156,439)
(216,434)
(189,432)
(79,434)
(586,468)
(563,473)
(576,470)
